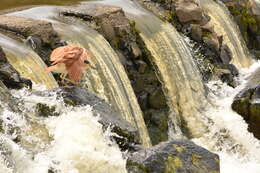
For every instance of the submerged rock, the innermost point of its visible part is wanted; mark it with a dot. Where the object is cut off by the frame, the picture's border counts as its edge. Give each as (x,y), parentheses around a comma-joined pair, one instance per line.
(177,156)
(75,96)
(247,103)
(9,76)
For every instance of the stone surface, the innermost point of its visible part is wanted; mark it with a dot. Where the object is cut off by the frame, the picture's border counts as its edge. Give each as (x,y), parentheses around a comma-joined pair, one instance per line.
(188,10)
(177,156)
(76,96)
(247,103)
(40,35)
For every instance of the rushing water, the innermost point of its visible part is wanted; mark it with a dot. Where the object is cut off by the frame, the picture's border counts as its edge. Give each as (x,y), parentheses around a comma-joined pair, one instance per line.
(71,142)
(26,62)
(223,23)
(108,78)
(228,136)
(176,69)
(74,142)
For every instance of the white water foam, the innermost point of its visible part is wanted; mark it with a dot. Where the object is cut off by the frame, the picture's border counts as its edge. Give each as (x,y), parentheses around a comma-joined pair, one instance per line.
(228,136)
(77,143)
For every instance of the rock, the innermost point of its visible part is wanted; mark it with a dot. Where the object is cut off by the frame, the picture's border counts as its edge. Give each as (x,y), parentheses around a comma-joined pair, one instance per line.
(76,96)
(188,11)
(212,41)
(225,54)
(9,76)
(157,125)
(40,35)
(254,6)
(226,76)
(177,156)
(247,103)
(157,99)
(110,21)
(196,32)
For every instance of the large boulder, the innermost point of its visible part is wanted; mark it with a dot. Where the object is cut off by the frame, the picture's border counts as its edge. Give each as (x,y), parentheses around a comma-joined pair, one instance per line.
(9,76)
(177,156)
(40,35)
(247,103)
(75,96)
(188,11)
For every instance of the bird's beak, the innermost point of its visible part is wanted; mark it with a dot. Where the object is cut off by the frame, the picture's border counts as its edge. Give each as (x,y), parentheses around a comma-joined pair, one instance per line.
(88,64)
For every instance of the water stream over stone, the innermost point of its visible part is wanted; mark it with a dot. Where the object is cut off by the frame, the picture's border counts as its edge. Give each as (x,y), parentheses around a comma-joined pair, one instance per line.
(223,22)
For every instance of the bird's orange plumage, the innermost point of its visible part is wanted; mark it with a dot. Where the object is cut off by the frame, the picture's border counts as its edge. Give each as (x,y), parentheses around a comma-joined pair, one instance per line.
(69,60)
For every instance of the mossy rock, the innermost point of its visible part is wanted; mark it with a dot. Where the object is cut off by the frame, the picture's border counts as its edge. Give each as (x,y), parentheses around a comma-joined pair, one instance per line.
(177,156)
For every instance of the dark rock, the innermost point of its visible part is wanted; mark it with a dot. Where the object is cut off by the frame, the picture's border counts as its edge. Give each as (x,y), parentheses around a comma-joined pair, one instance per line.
(226,76)
(40,35)
(247,103)
(157,125)
(178,156)
(188,10)
(157,99)
(196,32)
(76,96)
(9,76)
(225,54)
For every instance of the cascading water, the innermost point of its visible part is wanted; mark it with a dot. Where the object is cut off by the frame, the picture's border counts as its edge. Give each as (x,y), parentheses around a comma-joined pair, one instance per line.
(26,62)
(63,144)
(172,58)
(222,21)
(228,136)
(108,79)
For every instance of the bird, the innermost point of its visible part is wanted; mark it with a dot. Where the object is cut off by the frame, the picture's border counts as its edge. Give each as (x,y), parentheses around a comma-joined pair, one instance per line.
(69,60)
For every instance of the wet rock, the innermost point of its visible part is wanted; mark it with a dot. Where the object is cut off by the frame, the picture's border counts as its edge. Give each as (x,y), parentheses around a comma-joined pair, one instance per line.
(157,124)
(9,76)
(225,75)
(157,99)
(188,10)
(177,156)
(247,103)
(111,22)
(40,35)
(196,32)
(76,96)
(225,54)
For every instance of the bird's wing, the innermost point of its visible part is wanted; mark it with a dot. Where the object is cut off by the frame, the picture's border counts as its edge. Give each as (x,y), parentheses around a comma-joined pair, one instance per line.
(75,70)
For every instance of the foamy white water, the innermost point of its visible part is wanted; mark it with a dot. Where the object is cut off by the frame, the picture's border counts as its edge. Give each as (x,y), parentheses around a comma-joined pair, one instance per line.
(228,136)
(75,141)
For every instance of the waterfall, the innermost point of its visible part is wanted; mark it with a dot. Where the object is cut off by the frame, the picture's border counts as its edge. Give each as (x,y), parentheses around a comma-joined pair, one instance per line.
(176,69)
(108,78)
(76,141)
(26,62)
(223,23)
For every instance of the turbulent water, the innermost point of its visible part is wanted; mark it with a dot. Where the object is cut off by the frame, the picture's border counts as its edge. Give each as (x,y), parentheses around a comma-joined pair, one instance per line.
(73,142)
(228,136)
(222,21)
(26,62)
(107,78)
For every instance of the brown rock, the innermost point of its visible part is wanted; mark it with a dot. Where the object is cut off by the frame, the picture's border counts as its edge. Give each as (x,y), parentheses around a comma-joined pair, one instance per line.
(25,27)
(188,10)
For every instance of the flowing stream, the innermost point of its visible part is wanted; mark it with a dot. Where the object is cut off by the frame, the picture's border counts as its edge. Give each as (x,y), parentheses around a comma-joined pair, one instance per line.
(64,144)
(108,78)
(223,22)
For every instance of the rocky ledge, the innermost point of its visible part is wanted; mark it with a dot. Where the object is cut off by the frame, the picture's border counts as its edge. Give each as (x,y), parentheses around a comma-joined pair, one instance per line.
(247,103)
(40,35)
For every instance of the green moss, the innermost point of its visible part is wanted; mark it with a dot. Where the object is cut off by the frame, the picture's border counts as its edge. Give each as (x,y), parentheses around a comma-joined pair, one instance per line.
(172,164)
(195,159)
